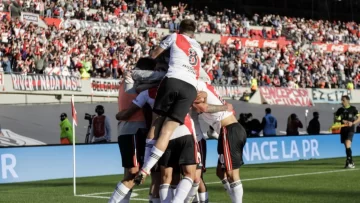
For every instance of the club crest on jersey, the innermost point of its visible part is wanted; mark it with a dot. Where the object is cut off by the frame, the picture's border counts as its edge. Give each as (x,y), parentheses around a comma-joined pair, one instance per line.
(193,58)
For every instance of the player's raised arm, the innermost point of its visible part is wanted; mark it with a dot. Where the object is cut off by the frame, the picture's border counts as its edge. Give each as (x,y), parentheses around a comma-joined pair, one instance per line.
(164,44)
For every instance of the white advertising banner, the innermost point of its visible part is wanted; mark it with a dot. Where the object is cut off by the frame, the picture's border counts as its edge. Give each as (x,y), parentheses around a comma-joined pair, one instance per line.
(109,87)
(330,96)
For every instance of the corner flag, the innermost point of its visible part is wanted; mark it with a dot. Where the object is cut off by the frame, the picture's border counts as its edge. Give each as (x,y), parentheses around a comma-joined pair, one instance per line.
(73,111)
(74,123)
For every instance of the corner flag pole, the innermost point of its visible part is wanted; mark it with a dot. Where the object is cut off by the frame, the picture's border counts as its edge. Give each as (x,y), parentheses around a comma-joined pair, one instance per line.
(74,123)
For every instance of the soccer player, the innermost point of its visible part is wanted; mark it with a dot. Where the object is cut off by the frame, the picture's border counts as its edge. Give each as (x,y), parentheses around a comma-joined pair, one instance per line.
(201,187)
(349,116)
(231,141)
(177,91)
(130,120)
(181,151)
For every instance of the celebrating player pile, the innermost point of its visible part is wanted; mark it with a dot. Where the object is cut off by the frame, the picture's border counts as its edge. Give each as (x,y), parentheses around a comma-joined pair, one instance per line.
(172,139)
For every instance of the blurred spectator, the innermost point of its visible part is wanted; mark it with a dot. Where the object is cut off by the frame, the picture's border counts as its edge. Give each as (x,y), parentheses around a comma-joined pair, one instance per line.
(253,125)
(314,125)
(293,125)
(66,135)
(268,124)
(100,129)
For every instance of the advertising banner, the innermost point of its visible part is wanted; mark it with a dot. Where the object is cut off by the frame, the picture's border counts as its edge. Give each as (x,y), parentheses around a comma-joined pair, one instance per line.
(285,96)
(105,86)
(329,96)
(260,43)
(22,164)
(83,24)
(33,18)
(45,83)
(231,91)
(337,47)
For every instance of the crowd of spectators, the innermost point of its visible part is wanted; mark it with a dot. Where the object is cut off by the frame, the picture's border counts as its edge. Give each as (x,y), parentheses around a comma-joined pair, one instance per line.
(27,48)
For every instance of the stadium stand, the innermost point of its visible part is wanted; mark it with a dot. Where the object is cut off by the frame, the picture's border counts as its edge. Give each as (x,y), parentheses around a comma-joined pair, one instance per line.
(73,50)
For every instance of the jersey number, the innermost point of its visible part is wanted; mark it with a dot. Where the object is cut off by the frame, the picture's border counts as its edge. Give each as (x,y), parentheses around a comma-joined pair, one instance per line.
(193,57)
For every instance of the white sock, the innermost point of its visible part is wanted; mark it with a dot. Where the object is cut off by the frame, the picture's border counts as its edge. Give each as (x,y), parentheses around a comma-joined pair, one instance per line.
(237,191)
(119,194)
(127,197)
(173,191)
(148,146)
(226,185)
(155,200)
(193,191)
(196,199)
(150,198)
(204,197)
(153,159)
(165,193)
(183,190)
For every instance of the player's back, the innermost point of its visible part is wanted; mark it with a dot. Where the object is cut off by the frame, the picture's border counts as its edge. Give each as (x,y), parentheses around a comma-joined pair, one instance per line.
(185,57)
(213,98)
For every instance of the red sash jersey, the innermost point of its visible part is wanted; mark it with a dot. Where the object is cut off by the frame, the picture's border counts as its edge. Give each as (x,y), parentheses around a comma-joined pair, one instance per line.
(185,58)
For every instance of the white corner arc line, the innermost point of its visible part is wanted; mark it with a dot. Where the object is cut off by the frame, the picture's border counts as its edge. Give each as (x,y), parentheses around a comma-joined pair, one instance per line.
(104,193)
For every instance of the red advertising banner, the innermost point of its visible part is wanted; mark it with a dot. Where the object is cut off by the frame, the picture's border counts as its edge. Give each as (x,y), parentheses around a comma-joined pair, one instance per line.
(285,96)
(260,43)
(337,47)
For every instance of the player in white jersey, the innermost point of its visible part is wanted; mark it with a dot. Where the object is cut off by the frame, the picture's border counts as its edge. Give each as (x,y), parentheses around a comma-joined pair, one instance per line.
(181,151)
(177,91)
(201,168)
(231,141)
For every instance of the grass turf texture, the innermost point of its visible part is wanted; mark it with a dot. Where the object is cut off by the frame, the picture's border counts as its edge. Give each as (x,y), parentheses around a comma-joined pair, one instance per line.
(312,181)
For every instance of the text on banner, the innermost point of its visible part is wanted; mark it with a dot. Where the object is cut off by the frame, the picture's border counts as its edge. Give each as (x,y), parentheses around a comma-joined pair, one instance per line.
(103,86)
(45,82)
(285,96)
(329,95)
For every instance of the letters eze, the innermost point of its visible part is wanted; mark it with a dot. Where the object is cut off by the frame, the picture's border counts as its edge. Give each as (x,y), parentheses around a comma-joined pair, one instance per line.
(45,83)
(285,96)
(279,150)
(321,96)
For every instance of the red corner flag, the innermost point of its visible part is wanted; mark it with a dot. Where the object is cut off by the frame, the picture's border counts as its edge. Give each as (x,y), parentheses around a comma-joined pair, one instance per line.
(73,111)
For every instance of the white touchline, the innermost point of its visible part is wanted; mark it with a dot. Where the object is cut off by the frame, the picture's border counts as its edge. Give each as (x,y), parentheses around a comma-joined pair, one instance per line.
(292,175)
(93,195)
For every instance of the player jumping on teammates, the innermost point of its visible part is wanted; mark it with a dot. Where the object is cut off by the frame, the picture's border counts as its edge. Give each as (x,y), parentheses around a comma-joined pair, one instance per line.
(349,116)
(232,139)
(177,91)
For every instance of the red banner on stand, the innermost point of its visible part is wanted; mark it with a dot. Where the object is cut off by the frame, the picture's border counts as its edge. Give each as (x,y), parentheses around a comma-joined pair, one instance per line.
(285,96)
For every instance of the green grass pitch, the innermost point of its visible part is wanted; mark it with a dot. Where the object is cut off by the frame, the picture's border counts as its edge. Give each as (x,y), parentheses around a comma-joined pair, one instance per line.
(312,181)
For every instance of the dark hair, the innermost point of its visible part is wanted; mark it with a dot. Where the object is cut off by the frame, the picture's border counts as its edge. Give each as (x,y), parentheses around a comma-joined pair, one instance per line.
(267,110)
(345,97)
(293,116)
(316,114)
(187,26)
